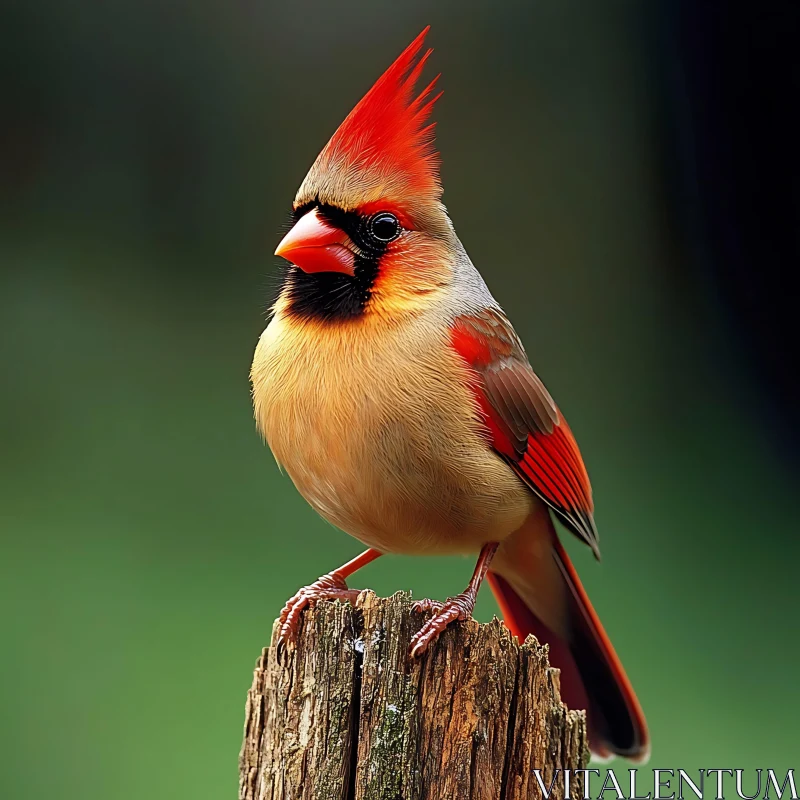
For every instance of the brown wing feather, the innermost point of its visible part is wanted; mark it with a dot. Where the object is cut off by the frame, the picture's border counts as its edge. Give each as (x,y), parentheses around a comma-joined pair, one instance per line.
(524,423)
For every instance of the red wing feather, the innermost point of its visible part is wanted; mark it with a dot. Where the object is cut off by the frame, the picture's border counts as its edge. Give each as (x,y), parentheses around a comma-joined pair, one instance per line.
(523,422)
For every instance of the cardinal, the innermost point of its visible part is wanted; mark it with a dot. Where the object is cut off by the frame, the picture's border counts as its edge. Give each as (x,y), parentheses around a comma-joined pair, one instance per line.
(393,390)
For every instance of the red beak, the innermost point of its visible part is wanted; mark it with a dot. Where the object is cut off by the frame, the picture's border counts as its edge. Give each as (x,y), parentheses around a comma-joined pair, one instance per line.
(316,246)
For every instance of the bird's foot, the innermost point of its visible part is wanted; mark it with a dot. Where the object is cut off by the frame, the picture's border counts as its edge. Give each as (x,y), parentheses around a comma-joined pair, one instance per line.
(455,608)
(328,587)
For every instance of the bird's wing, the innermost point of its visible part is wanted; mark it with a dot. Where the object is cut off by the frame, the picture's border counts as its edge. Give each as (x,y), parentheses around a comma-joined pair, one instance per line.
(522,421)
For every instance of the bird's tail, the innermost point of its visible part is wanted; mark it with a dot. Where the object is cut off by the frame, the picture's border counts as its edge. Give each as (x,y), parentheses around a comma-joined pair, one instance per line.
(592,676)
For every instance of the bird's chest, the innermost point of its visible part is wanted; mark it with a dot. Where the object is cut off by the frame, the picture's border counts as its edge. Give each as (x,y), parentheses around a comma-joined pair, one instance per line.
(381,439)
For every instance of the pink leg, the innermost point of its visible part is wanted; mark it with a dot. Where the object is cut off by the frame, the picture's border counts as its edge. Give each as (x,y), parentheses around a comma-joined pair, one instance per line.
(332,586)
(455,608)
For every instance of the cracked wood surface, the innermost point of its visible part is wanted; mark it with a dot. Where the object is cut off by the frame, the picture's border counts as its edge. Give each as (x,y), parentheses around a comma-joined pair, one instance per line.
(349,717)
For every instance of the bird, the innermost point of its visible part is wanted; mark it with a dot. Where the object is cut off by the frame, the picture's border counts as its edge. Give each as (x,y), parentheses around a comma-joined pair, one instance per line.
(392,388)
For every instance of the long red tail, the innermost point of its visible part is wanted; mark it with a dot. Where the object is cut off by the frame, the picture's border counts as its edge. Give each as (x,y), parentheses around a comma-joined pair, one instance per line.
(592,676)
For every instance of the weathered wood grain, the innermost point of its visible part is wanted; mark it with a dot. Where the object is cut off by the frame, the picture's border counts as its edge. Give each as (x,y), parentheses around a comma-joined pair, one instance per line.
(349,717)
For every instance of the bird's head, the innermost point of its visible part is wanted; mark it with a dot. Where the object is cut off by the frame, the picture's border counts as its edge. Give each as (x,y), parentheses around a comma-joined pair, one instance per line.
(370,233)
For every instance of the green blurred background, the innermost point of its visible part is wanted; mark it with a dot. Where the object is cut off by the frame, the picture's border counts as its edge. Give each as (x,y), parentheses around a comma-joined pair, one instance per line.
(150,152)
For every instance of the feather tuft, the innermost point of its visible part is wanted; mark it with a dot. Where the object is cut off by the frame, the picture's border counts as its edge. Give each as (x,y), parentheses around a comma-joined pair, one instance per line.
(385,141)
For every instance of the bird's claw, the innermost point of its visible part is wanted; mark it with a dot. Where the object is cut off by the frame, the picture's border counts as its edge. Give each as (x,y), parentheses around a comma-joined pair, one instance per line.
(328,587)
(455,608)
(428,606)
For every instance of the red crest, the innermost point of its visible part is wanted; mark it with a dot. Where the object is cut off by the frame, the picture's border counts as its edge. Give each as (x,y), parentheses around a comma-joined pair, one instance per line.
(387,135)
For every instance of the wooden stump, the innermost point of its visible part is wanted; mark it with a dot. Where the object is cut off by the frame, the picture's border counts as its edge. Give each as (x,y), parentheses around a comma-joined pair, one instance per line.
(349,717)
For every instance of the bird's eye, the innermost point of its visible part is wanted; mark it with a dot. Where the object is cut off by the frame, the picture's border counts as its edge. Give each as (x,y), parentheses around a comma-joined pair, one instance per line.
(384,227)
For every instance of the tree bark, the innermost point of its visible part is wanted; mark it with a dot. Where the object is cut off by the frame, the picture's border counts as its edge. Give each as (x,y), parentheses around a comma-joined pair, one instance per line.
(349,717)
